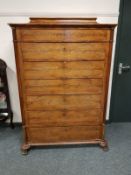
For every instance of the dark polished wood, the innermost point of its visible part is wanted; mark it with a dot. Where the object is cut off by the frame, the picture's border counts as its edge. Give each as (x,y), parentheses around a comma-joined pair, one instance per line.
(63,67)
(5,105)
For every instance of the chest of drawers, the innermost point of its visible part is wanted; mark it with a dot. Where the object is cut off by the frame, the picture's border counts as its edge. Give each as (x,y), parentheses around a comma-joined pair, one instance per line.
(63,71)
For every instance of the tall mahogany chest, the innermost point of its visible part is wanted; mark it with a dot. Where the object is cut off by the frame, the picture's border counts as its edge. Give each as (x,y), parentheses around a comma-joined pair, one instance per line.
(63,67)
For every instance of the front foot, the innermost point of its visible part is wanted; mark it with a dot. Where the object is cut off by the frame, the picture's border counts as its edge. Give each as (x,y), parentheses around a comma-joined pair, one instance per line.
(103,144)
(24,149)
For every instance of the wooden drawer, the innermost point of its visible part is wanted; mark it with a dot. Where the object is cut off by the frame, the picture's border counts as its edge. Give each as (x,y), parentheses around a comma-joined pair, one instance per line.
(64,118)
(62,35)
(62,102)
(60,70)
(64,51)
(67,86)
(63,134)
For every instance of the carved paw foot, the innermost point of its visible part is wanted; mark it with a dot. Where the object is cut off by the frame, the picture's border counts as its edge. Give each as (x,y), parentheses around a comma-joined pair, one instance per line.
(103,144)
(24,149)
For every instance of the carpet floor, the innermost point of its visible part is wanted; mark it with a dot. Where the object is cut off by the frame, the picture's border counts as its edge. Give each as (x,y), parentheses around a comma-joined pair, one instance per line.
(79,160)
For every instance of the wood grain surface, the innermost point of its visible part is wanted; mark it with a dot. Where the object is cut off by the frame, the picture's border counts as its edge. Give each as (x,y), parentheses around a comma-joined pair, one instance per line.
(64,117)
(63,134)
(63,35)
(65,86)
(64,51)
(61,102)
(63,68)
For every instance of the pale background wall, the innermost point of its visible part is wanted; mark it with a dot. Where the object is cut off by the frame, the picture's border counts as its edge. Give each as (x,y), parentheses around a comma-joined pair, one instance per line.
(16,11)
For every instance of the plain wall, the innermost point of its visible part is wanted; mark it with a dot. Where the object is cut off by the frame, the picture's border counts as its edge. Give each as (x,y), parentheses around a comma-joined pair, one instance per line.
(15,11)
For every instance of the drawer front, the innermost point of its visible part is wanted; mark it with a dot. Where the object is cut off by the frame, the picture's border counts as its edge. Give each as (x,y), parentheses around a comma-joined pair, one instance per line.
(63,35)
(64,118)
(64,51)
(63,102)
(59,70)
(63,134)
(67,86)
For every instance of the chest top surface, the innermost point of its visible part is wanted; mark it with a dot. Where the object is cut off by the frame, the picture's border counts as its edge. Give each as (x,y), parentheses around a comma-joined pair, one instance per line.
(59,22)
